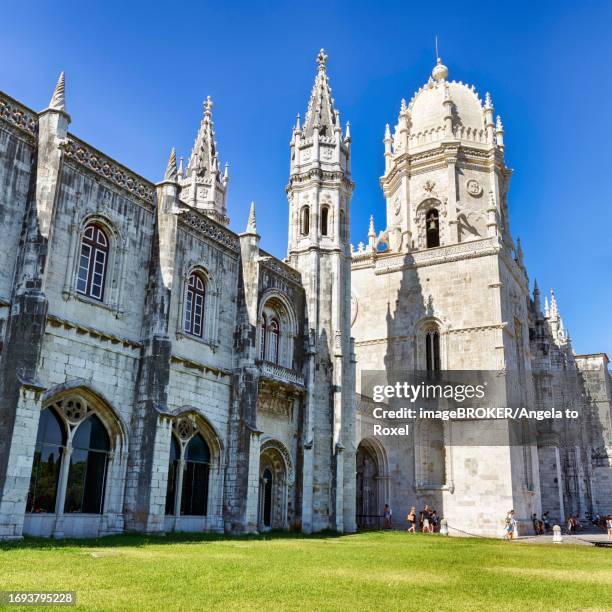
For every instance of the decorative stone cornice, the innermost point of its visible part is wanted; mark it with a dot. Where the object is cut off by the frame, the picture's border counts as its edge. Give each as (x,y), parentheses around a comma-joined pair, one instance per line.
(190,364)
(18,116)
(384,263)
(109,170)
(282,269)
(204,225)
(96,334)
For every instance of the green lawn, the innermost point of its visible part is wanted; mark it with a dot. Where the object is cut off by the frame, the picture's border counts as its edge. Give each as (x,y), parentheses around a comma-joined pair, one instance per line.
(374,571)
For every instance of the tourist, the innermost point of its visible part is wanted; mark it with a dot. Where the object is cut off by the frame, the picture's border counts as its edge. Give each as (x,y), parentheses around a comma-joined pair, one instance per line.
(510,525)
(411,518)
(387,516)
(434,521)
(609,526)
(546,521)
(570,525)
(536,524)
(426,519)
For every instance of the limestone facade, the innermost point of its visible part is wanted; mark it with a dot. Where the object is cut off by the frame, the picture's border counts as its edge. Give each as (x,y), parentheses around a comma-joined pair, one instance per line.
(159,372)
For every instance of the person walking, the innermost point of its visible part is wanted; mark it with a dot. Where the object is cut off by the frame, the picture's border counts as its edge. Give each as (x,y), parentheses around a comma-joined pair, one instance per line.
(387,513)
(411,518)
(609,526)
(426,519)
(510,525)
(546,521)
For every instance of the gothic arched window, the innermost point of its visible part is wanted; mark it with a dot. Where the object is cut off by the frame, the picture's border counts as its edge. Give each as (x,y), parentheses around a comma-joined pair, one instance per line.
(432,350)
(194,305)
(93,262)
(305,221)
(432,228)
(50,445)
(87,473)
(324,220)
(196,468)
(173,468)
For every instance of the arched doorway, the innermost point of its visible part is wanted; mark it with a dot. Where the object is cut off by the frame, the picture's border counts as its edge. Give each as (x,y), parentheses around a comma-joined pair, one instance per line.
(371,490)
(275,479)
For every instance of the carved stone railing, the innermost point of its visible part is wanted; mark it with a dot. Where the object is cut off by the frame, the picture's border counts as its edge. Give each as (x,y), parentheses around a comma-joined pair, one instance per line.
(279,373)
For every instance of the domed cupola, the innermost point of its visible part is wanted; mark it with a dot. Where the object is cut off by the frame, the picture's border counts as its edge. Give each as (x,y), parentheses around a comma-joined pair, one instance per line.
(444,110)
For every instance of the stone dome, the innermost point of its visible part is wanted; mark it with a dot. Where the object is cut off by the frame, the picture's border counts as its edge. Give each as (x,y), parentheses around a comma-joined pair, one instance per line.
(427,110)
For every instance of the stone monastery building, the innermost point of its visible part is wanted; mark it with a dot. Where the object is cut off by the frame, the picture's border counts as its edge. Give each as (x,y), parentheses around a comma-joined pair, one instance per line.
(159,372)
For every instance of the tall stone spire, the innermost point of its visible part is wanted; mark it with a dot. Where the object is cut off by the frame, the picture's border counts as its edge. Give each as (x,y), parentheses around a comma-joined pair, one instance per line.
(204,186)
(319,194)
(321,112)
(204,156)
(58,99)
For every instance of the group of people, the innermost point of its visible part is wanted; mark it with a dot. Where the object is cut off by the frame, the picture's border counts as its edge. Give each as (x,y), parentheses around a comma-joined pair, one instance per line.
(541,525)
(428,520)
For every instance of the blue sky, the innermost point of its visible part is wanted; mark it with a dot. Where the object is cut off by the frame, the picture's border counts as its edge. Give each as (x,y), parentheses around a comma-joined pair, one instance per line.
(137,74)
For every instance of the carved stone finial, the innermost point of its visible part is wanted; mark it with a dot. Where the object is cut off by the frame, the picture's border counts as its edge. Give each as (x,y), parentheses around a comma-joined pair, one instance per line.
(171,172)
(488,102)
(322,59)
(208,104)
(440,71)
(58,99)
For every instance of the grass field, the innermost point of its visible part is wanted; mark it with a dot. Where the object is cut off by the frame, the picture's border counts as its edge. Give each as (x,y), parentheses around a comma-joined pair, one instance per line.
(374,571)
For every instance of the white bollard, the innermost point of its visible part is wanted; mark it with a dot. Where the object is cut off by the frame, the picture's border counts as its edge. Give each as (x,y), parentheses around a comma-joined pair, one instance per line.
(557,537)
(443,527)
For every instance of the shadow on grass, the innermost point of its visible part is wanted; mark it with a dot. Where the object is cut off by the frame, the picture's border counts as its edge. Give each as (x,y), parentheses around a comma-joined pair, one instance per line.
(137,540)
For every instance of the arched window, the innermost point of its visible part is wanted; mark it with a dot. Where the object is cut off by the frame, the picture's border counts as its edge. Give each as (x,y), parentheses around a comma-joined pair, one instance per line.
(324,220)
(50,445)
(173,468)
(87,473)
(194,305)
(342,226)
(432,350)
(194,497)
(432,228)
(93,262)
(272,341)
(305,221)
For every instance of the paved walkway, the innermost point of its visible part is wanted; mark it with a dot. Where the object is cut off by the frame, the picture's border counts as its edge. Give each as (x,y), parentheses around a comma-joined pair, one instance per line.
(587,538)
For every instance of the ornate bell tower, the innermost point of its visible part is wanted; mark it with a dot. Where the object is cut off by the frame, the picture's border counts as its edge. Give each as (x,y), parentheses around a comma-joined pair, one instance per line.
(319,193)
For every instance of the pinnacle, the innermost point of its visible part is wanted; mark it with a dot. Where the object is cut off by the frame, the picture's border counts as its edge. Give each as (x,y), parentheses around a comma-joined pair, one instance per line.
(251,227)
(58,99)
(171,172)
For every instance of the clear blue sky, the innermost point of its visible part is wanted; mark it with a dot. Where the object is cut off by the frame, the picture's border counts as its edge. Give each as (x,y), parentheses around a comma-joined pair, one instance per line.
(137,74)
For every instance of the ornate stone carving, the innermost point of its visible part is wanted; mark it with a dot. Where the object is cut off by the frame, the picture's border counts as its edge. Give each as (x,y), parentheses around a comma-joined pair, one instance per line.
(203,225)
(18,115)
(185,428)
(104,167)
(474,188)
(74,409)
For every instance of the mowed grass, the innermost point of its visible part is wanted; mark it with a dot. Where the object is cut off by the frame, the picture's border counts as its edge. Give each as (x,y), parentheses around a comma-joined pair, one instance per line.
(367,571)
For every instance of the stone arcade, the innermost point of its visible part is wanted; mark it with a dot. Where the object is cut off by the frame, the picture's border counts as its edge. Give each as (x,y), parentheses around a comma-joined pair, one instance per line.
(159,372)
